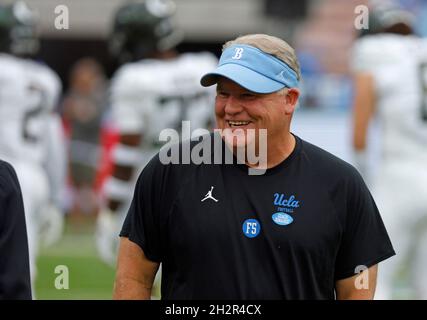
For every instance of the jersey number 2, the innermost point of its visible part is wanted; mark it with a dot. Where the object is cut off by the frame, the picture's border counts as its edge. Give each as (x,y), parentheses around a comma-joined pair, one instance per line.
(184,102)
(32,113)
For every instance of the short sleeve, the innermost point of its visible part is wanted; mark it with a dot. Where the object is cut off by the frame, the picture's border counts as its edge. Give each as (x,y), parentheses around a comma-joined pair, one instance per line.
(142,223)
(15,281)
(364,241)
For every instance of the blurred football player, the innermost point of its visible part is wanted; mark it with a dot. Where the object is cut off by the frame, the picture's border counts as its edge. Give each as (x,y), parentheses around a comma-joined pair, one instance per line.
(390,65)
(156,88)
(30,130)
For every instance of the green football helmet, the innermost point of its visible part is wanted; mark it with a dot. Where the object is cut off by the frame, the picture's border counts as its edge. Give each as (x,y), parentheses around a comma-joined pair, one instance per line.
(18,34)
(142,28)
(383,15)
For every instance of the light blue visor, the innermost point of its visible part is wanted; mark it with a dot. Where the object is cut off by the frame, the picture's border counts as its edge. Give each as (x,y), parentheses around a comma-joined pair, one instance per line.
(252,69)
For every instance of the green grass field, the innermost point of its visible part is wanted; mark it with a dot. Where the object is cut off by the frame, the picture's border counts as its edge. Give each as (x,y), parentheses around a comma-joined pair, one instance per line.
(89,277)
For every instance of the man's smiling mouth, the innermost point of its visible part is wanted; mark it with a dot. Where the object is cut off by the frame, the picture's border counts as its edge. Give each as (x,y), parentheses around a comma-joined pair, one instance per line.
(235,123)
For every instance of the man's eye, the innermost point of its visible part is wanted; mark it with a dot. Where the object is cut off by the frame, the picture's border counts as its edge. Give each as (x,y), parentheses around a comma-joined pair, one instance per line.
(248,96)
(222,94)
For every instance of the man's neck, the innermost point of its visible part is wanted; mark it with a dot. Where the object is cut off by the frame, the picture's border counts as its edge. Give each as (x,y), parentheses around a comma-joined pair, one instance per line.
(277,151)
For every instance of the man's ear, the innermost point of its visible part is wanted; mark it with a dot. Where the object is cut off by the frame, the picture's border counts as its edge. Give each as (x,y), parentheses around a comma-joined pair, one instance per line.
(291,100)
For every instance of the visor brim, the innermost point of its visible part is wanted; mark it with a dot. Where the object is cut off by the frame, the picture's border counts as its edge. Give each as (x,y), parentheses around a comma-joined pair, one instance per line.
(245,77)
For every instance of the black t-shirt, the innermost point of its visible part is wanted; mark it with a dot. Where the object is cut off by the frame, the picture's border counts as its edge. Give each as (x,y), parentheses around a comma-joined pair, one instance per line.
(14,264)
(287,234)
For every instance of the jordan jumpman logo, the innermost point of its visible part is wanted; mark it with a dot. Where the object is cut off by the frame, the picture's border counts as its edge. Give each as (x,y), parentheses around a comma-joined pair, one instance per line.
(209,195)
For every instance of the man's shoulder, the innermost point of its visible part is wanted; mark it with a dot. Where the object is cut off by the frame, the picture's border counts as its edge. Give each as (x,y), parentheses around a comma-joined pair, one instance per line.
(5,169)
(128,74)
(44,71)
(44,76)
(10,66)
(8,59)
(368,52)
(8,179)
(326,163)
(139,77)
(375,44)
(42,67)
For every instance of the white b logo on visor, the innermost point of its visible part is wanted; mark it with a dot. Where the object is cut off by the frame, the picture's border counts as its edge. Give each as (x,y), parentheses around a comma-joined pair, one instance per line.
(238,54)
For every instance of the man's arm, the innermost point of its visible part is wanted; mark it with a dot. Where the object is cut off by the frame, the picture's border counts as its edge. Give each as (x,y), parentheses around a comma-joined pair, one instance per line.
(359,287)
(363,108)
(135,273)
(56,161)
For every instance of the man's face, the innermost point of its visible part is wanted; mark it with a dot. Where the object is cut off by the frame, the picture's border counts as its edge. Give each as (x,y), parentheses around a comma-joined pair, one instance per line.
(239,110)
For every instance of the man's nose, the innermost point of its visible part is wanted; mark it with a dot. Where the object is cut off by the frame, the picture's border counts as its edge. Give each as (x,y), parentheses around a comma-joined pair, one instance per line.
(233,105)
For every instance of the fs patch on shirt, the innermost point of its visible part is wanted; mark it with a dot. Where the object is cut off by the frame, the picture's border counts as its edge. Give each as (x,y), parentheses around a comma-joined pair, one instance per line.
(288,234)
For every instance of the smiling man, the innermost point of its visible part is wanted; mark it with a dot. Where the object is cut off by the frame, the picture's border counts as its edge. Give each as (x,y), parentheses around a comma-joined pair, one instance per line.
(304,229)
(244,100)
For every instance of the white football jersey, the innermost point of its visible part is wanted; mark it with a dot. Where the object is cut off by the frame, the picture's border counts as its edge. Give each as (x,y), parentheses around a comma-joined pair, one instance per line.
(151,95)
(28,94)
(399,67)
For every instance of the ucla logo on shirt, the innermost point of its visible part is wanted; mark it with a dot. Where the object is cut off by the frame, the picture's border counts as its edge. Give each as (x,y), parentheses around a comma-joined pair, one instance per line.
(283,201)
(251,228)
(284,206)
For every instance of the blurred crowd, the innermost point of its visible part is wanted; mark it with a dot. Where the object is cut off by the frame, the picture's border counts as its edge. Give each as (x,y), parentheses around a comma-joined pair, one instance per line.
(83,109)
